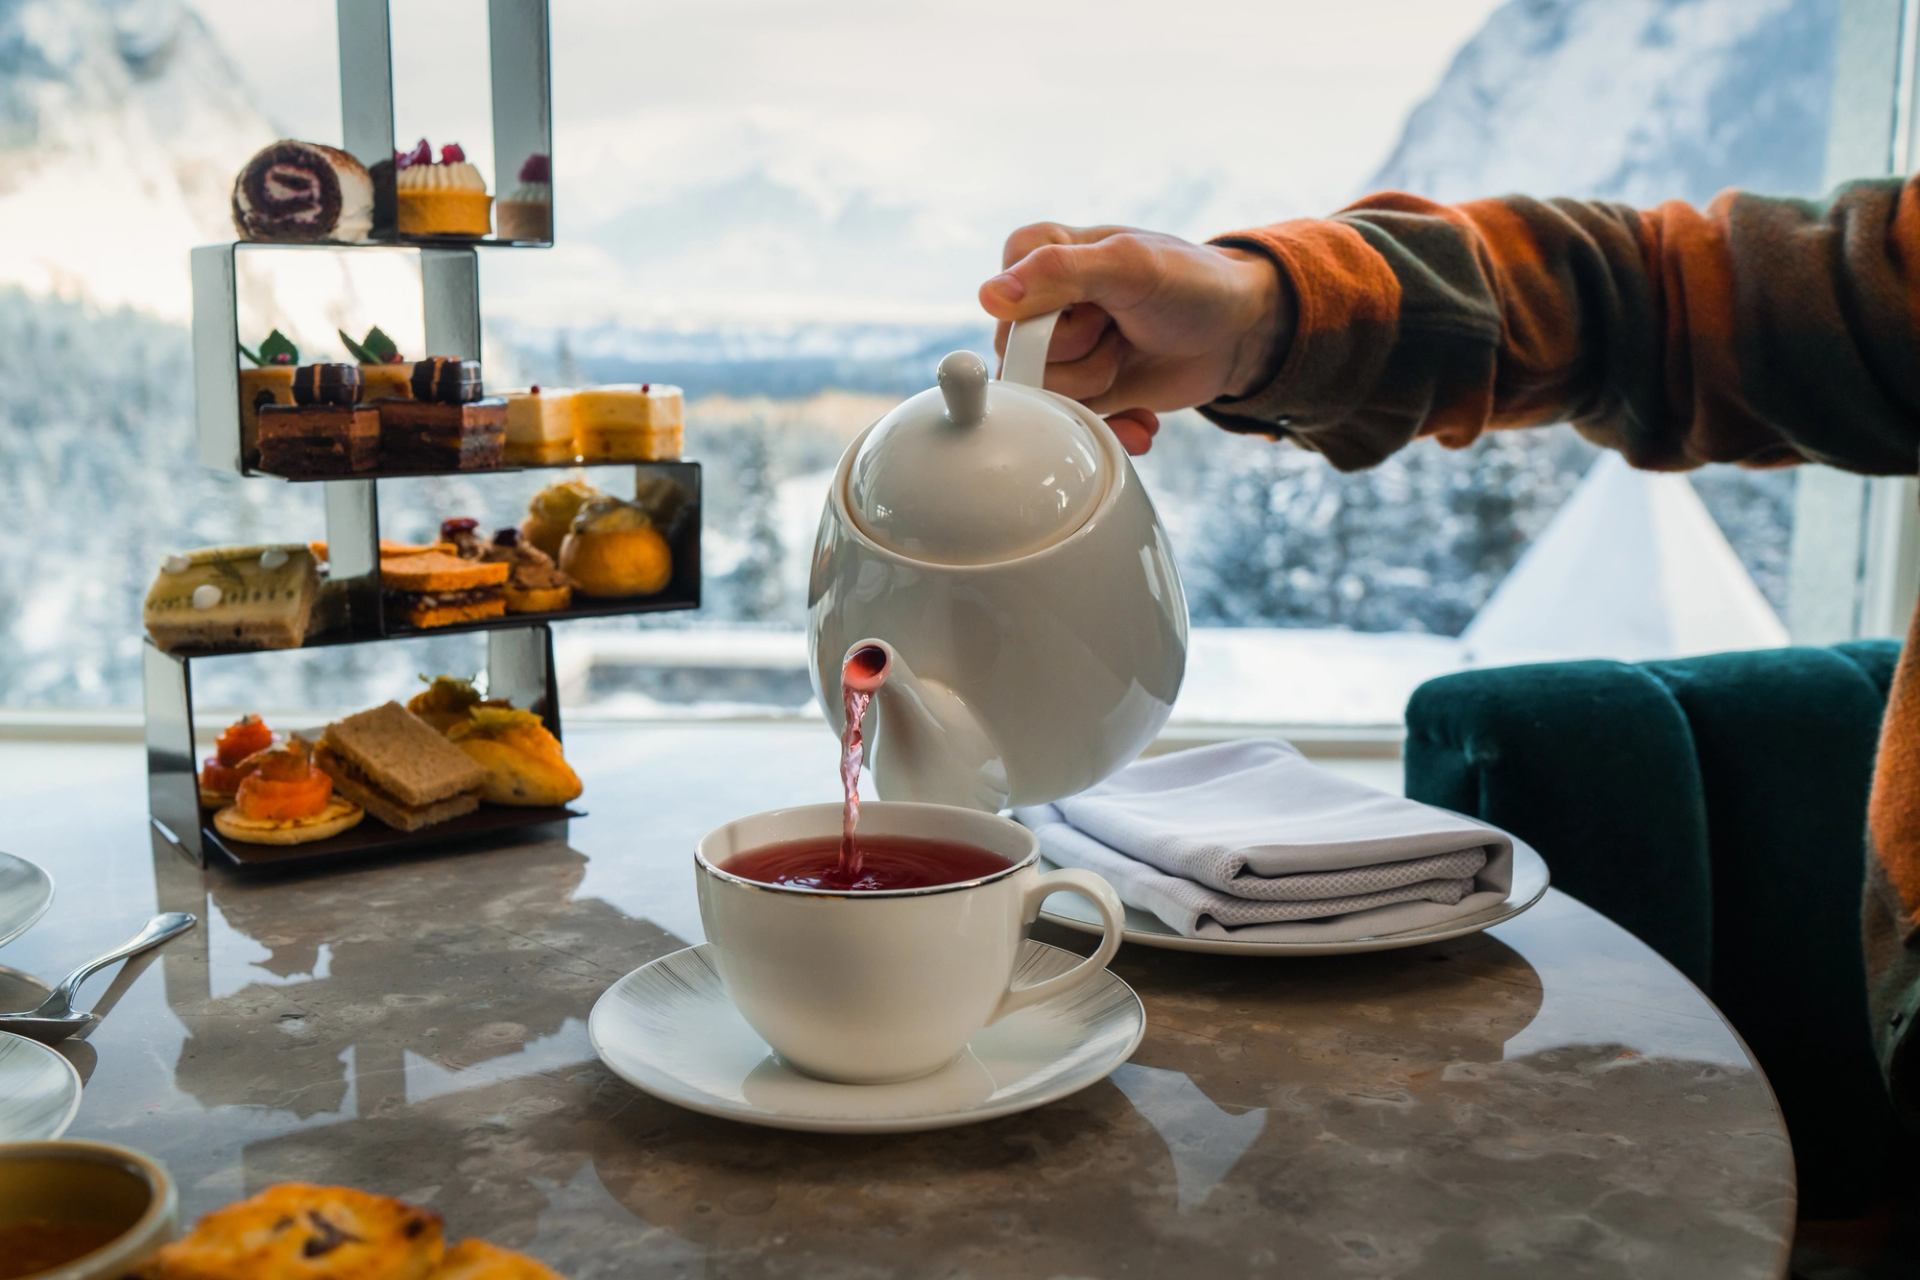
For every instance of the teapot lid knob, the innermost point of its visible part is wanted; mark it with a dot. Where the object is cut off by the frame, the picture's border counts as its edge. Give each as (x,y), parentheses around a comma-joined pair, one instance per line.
(963,384)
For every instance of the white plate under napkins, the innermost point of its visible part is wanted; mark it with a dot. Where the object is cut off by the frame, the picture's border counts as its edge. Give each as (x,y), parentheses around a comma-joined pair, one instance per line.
(1148,930)
(39,1090)
(669,1029)
(25,891)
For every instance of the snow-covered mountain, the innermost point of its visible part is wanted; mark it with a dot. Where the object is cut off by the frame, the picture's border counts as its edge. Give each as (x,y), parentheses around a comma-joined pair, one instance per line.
(122,124)
(1635,100)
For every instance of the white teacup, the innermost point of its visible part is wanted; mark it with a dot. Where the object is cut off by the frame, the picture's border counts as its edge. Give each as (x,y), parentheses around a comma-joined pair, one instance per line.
(872,987)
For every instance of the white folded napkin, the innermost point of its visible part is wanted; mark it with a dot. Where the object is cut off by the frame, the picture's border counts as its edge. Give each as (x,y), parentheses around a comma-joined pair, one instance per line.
(1249,841)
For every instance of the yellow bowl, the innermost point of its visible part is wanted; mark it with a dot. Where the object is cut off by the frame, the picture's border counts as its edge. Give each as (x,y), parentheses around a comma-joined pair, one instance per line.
(101,1210)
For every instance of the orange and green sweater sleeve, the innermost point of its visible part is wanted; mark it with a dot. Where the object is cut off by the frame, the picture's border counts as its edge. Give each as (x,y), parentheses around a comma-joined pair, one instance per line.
(1759,331)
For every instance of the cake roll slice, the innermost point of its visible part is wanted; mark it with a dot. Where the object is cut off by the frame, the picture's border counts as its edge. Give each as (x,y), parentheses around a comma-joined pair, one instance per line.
(303,191)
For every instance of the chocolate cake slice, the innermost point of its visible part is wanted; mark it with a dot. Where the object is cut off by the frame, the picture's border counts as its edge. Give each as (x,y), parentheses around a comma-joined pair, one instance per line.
(325,431)
(447,425)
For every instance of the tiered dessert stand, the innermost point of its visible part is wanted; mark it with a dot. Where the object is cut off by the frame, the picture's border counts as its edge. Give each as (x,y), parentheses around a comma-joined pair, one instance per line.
(520,663)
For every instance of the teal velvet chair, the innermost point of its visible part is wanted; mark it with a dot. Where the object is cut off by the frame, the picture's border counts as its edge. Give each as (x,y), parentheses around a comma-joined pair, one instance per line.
(1715,807)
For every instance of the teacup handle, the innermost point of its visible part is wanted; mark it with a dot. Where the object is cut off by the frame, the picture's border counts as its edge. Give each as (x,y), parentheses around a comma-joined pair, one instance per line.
(1027,343)
(1112,916)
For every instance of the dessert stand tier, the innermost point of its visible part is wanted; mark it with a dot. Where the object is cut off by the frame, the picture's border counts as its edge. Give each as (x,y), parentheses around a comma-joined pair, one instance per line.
(520,661)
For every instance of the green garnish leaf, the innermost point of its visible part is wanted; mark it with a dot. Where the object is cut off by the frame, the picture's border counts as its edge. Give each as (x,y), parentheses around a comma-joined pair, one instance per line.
(375,348)
(385,350)
(254,359)
(277,345)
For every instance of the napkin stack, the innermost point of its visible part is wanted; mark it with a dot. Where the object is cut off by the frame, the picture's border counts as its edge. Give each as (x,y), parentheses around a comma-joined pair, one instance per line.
(1248,841)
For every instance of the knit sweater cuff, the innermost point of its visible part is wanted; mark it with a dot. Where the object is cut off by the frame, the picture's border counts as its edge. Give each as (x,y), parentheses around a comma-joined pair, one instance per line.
(1346,303)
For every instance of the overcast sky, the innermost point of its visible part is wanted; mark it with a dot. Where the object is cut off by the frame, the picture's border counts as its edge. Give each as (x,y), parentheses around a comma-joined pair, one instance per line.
(1197,114)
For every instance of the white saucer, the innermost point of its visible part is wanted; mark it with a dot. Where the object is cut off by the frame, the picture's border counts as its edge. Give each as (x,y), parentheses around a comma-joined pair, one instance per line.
(669,1029)
(39,1090)
(25,891)
(1149,930)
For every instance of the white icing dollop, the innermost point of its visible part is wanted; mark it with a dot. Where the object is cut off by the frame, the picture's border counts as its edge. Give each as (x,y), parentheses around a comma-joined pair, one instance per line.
(176,564)
(272,558)
(205,596)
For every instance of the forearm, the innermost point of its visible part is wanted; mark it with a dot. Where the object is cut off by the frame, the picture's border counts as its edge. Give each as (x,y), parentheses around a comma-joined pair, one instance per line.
(1758,331)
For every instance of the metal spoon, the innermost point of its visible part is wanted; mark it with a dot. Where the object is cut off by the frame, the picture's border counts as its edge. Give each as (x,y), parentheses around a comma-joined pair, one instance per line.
(55,1019)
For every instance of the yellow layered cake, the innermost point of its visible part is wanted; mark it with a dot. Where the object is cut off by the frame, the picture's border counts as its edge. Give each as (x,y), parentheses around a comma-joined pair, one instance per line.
(540,426)
(629,422)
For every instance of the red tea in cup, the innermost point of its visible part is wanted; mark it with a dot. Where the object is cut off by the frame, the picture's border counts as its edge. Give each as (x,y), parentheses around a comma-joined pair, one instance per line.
(886,862)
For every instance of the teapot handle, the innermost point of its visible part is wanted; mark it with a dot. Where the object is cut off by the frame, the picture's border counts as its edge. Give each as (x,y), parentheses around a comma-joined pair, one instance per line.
(1027,343)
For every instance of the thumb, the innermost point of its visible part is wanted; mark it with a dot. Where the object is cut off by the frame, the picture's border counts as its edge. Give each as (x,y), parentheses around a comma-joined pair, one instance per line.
(1116,273)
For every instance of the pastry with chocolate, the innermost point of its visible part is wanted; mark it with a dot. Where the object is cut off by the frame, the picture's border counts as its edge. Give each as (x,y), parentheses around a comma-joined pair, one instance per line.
(326,431)
(270,381)
(385,374)
(527,213)
(302,191)
(443,198)
(449,425)
(439,588)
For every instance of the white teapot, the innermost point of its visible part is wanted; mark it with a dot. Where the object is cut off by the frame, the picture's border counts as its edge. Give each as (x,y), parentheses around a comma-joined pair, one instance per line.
(991,541)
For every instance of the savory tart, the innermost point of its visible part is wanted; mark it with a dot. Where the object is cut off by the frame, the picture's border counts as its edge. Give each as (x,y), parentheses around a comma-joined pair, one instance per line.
(285,800)
(522,759)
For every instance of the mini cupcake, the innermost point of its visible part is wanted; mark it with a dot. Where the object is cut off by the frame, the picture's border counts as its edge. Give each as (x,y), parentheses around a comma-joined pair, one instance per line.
(527,214)
(444,198)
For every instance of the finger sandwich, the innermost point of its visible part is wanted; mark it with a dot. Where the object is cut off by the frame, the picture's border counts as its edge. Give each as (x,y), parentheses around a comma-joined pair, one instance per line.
(394,765)
(439,588)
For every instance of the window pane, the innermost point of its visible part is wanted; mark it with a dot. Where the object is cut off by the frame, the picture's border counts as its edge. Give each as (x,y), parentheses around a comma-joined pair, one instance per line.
(786,209)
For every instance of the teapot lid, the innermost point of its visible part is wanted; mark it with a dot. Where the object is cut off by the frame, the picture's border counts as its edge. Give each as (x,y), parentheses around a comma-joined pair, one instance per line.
(977,471)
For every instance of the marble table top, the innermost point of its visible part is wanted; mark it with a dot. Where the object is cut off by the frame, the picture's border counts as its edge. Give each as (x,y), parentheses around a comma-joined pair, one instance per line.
(1550,1098)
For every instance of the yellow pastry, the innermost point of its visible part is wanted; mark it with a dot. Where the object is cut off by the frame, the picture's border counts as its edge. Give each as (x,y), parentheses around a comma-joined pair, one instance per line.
(550,514)
(443,198)
(614,550)
(449,700)
(523,761)
(539,426)
(629,422)
(478,1260)
(298,1231)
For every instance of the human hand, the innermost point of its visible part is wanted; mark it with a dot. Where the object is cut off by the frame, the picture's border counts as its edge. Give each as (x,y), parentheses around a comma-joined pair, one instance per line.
(1155,322)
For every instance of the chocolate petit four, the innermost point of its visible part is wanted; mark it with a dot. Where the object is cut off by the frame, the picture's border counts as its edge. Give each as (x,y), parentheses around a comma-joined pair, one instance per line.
(444,198)
(270,381)
(628,422)
(448,425)
(303,191)
(326,431)
(385,374)
(527,214)
(539,426)
(233,598)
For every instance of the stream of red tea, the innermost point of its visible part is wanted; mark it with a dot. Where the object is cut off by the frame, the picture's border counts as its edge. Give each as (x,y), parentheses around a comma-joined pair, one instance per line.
(860,676)
(870,863)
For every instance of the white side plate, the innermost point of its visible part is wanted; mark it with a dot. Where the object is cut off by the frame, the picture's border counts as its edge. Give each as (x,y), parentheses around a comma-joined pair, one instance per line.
(25,892)
(39,1090)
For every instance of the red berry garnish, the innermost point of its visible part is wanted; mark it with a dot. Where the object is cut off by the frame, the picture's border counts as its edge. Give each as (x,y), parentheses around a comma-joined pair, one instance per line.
(534,390)
(397,358)
(538,168)
(452,154)
(283,358)
(507,538)
(450,529)
(645,387)
(422,153)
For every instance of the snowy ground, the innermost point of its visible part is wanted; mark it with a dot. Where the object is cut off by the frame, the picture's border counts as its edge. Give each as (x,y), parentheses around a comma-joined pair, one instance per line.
(1241,677)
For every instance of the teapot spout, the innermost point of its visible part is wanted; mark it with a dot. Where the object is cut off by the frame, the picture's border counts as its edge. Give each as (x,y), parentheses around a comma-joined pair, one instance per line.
(925,743)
